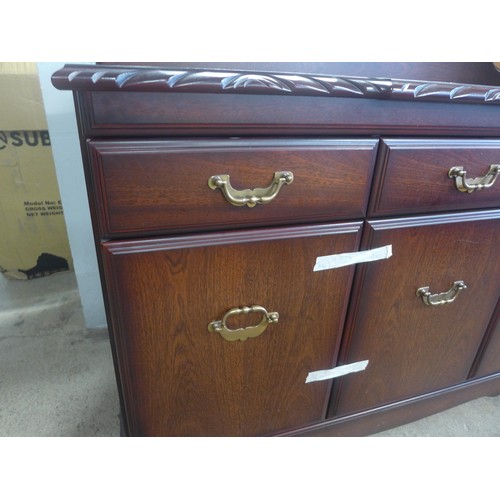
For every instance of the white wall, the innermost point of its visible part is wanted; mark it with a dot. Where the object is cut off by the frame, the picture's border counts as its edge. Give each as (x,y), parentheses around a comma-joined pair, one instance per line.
(69,170)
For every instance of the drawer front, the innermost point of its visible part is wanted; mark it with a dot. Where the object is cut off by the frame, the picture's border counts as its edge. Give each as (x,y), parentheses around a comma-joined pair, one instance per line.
(182,379)
(154,187)
(414,348)
(413,176)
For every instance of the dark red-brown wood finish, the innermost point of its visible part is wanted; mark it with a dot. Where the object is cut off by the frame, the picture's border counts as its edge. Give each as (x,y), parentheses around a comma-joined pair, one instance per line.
(478,73)
(365,142)
(150,114)
(413,176)
(145,101)
(157,187)
(182,380)
(415,348)
(488,359)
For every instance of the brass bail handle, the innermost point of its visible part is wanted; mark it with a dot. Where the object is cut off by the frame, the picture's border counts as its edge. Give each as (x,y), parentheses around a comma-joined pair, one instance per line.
(439,299)
(250,197)
(220,326)
(470,185)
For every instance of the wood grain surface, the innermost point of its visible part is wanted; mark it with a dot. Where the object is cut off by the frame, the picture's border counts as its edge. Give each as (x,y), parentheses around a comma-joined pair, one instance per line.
(155,187)
(182,380)
(412,175)
(413,348)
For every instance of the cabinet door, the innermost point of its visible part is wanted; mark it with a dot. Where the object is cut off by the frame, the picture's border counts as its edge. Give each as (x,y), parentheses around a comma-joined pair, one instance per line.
(413,348)
(179,378)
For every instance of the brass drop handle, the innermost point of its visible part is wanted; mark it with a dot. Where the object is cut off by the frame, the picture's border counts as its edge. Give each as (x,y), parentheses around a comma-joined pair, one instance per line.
(220,326)
(439,299)
(470,185)
(250,197)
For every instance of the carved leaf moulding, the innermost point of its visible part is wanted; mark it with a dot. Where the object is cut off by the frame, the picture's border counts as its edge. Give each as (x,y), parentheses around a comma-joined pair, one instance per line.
(102,78)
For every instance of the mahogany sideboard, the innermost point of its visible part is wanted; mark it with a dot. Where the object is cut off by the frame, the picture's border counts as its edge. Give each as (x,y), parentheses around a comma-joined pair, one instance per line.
(306,249)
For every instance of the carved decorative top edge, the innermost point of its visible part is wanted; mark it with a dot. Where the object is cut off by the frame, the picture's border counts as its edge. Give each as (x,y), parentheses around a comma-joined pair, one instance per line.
(102,78)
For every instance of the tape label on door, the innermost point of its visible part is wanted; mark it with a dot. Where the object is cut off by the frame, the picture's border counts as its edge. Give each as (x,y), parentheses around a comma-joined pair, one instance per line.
(347,259)
(338,371)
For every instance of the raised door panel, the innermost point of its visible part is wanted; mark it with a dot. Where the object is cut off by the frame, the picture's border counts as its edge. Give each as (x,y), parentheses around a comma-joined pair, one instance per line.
(179,378)
(414,348)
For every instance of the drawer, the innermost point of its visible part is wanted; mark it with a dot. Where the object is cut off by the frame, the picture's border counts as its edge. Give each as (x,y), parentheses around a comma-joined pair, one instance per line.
(184,376)
(155,187)
(413,176)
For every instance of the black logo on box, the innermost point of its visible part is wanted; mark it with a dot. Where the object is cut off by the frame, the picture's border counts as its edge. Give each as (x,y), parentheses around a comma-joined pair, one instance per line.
(46,264)
(18,138)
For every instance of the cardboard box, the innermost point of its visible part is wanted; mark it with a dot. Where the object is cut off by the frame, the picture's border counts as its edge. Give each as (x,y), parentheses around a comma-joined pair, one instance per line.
(33,238)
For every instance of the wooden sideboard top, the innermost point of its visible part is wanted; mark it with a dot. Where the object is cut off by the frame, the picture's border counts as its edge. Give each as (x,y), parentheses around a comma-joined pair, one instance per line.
(213,78)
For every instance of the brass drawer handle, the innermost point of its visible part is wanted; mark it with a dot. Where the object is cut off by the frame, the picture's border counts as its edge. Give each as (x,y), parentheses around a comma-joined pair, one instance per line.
(470,185)
(439,299)
(250,197)
(219,326)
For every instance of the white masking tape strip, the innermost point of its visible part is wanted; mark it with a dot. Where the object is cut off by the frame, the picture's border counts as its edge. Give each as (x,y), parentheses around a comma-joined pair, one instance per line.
(338,371)
(346,259)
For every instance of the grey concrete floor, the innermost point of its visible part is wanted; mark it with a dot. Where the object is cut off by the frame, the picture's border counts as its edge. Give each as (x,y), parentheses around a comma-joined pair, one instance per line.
(57,379)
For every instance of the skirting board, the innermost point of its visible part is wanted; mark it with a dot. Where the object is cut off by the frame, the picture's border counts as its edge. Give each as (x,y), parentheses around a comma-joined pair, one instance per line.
(402,412)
